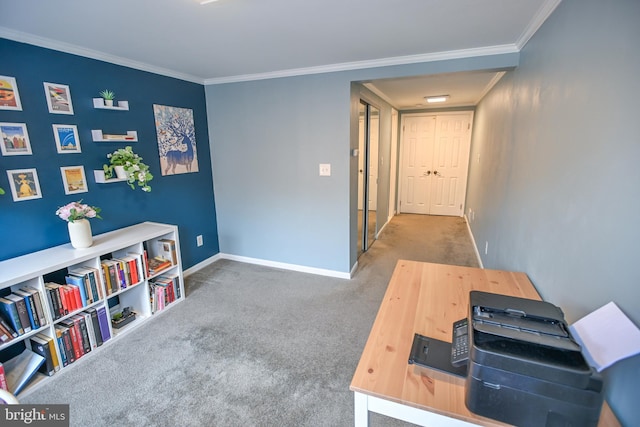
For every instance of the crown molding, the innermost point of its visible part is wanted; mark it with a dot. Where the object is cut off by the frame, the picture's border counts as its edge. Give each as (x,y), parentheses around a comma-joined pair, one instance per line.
(331,68)
(543,13)
(357,65)
(93,54)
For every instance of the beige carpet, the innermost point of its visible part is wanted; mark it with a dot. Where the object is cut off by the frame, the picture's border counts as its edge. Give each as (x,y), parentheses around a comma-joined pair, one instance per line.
(251,345)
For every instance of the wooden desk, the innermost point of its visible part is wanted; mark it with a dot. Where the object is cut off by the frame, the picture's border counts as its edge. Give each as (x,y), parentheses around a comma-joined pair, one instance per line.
(426,298)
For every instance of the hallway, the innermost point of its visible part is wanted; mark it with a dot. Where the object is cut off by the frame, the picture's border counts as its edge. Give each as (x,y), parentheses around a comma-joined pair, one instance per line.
(429,238)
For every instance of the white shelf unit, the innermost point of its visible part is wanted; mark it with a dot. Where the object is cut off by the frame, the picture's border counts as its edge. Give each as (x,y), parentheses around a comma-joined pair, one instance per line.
(99,136)
(36,269)
(98,175)
(120,105)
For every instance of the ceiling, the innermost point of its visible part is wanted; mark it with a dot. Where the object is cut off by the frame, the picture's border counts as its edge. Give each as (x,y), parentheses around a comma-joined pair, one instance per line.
(239,40)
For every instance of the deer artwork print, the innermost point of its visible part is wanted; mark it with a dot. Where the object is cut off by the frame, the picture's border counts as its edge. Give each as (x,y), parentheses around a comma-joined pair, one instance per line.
(176,139)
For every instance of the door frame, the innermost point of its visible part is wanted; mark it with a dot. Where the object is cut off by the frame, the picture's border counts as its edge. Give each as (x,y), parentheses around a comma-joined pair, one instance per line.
(471,112)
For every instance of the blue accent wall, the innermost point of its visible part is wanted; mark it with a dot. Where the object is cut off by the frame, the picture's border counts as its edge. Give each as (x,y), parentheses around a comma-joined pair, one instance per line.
(554,179)
(186,200)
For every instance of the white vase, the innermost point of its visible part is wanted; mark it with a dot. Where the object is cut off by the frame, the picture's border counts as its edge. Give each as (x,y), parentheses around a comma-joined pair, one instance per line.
(120,172)
(108,102)
(80,233)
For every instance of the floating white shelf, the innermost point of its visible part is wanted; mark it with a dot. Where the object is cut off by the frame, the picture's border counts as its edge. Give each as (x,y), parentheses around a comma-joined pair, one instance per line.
(100,178)
(120,105)
(99,136)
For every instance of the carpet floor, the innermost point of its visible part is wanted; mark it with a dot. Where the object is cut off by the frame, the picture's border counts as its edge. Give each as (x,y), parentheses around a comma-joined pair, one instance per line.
(252,345)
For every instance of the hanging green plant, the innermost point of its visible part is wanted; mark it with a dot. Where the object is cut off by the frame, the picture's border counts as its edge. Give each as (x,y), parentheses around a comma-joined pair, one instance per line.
(137,172)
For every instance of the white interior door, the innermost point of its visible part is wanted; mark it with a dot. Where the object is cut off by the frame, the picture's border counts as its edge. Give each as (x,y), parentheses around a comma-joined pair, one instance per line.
(437,183)
(417,152)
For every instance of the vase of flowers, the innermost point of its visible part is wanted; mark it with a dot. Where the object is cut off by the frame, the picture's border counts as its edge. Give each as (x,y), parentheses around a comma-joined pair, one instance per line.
(136,171)
(77,216)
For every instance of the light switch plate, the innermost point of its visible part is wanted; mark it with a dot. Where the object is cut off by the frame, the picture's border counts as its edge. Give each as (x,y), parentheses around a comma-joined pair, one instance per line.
(325,169)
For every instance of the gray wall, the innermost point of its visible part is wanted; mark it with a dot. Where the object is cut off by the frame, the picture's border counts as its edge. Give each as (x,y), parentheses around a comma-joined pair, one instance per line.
(268,138)
(555,180)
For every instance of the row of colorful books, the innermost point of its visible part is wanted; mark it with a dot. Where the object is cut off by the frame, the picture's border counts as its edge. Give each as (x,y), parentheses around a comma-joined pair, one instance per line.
(77,335)
(123,272)
(164,290)
(20,312)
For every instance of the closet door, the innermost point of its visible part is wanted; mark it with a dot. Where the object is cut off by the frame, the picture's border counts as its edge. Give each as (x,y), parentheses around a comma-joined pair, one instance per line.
(435,154)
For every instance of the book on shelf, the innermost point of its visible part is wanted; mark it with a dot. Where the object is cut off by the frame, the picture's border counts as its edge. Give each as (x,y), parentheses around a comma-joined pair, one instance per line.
(10,311)
(41,347)
(76,337)
(167,250)
(58,299)
(5,334)
(34,321)
(95,325)
(163,291)
(111,276)
(80,291)
(158,264)
(91,282)
(81,322)
(20,369)
(175,281)
(23,314)
(69,298)
(103,319)
(52,347)
(67,344)
(3,378)
(61,347)
(38,302)
(140,264)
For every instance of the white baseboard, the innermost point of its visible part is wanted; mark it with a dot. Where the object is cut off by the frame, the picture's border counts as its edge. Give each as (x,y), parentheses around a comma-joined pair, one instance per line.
(286,266)
(189,271)
(473,240)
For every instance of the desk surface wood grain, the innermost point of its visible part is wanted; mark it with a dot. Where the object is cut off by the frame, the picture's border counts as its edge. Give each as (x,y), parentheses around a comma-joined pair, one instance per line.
(427,298)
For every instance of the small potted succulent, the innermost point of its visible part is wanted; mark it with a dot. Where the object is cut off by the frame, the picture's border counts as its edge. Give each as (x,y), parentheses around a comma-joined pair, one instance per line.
(126,164)
(108,96)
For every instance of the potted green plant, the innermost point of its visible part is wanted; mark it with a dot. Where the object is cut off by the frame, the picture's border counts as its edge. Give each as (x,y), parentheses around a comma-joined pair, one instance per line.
(131,164)
(108,96)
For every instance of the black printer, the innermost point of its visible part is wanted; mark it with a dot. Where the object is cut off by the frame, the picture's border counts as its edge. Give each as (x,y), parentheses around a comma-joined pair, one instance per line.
(523,366)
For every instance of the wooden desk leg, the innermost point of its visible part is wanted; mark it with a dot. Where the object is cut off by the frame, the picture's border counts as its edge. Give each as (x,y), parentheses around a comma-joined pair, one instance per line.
(360,409)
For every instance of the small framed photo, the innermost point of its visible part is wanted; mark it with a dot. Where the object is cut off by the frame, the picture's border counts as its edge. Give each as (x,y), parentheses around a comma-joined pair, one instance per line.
(74,179)
(24,184)
(15,139)
(67,140)
(9,96)
(58,98)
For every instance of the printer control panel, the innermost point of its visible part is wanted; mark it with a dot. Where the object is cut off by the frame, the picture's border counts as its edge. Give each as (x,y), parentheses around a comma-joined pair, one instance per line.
(460,342)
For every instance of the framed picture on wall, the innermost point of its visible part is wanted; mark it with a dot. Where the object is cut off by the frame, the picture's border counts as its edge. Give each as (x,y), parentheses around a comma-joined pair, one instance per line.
(58,98)
(15,139)
(9,96)
(74,179)
(24,184)
(176,139)
(67,140)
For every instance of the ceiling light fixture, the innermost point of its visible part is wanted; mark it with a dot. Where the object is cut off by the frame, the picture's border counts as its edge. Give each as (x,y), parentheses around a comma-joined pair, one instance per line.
(439,98)
(207,1)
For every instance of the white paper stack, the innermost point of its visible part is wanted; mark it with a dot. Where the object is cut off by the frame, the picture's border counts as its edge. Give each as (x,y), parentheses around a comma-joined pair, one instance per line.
(607,336)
